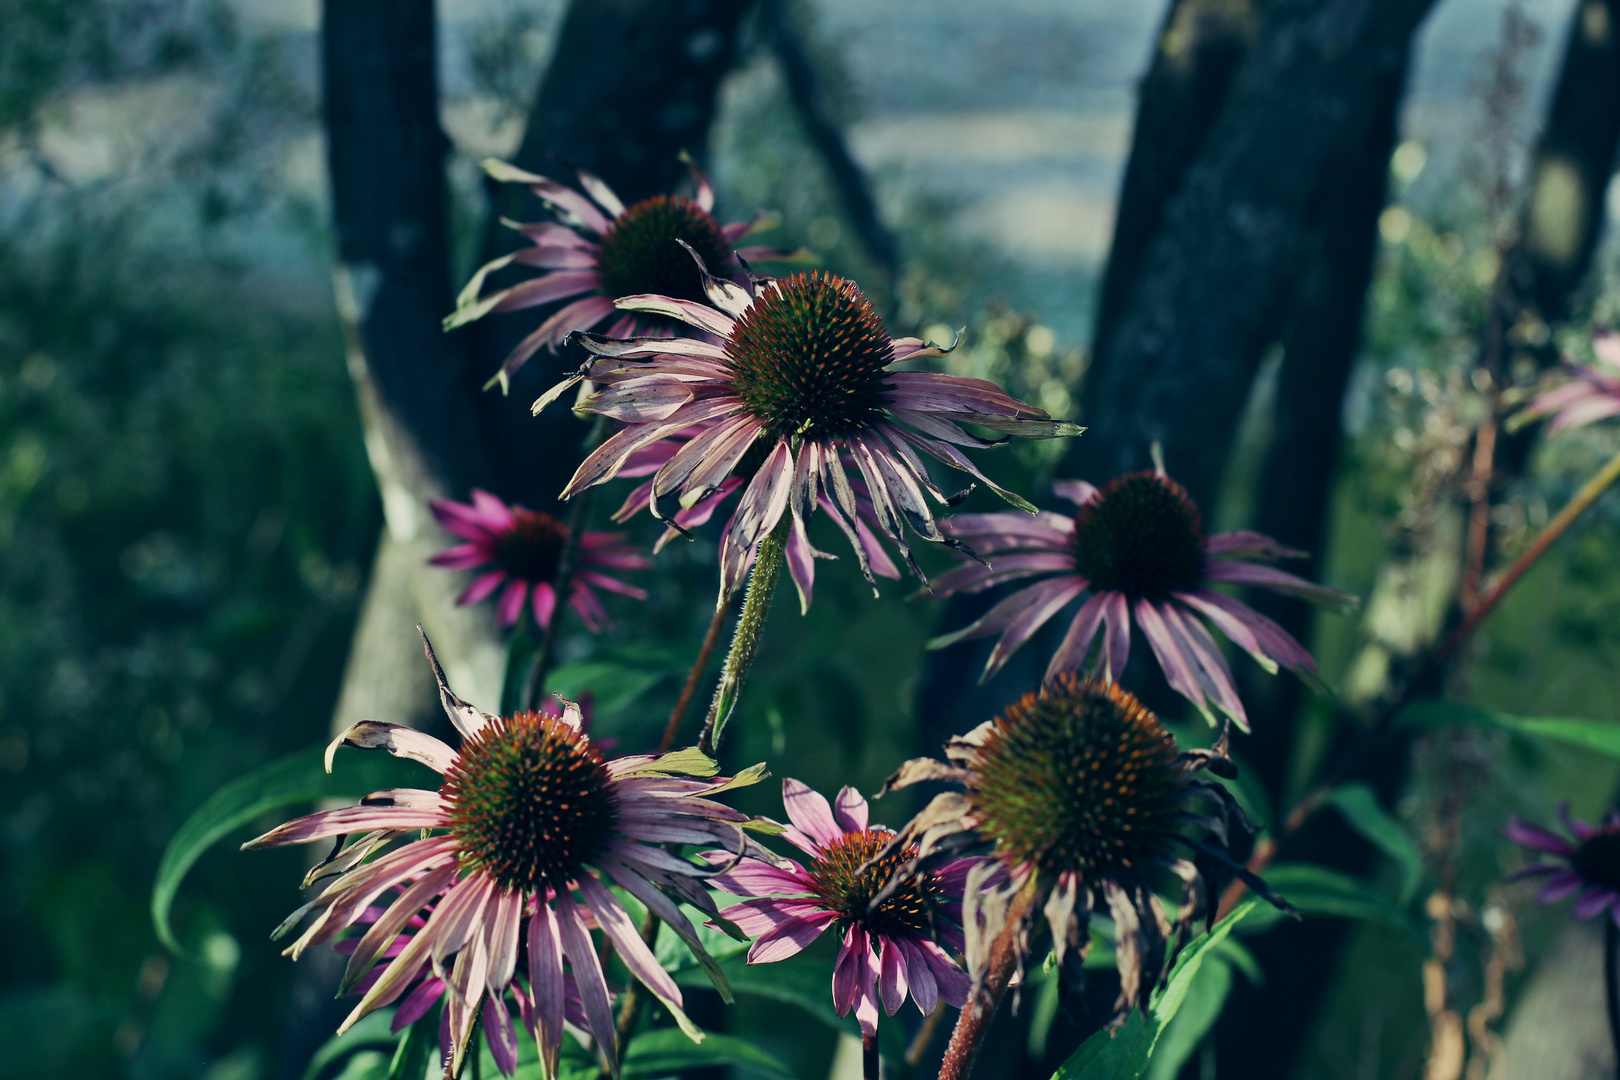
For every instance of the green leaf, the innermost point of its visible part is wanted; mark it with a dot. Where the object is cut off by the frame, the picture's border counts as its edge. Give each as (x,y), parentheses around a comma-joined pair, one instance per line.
(1182,1036)
(1316,890)
(1602,736)
(666,1051)
(1124,1053)
(369,1034)
(418,1049)
(297,778)
(1364,814)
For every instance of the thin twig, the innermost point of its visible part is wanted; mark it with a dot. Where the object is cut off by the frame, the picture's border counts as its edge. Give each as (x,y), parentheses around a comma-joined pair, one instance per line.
(1556,528)
(1479,514)
(689,691)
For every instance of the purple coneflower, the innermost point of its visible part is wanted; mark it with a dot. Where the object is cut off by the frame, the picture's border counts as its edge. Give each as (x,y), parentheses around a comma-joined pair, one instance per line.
(890,949)
(1138,547)
(798,377)
(520,841)
(1589,864)
(650,459)
(1593,394)
(1083,800)
(522,551)
(499,1034)
(602,250)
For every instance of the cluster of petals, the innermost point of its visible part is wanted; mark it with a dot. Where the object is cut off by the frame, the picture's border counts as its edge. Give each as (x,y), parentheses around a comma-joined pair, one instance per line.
(1018,546)
(487,525)
(1591,394)
(567,251)
(949,830)
(470,939)
(650,459)
(784,915)
(657,388)
(1588,864)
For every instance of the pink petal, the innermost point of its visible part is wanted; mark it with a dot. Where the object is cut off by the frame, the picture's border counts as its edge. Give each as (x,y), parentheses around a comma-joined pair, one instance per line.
(892,984)
(1078,492)
(808,810)
(481,587)
(1076,645)
(499,1035)
(510,605)
(544,603)
(1176,667)
(1530,835)
(850,810)
(462,557)
(1043,601)
(751,877)
(789,938)
(593,992)
(546,980)
(924,991)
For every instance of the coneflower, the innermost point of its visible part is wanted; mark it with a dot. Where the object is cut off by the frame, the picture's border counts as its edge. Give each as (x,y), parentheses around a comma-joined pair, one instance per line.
(797,378)
(1084,803)
(600,250)
(1586,862)
(1137,546)
(516,849)
(519,555)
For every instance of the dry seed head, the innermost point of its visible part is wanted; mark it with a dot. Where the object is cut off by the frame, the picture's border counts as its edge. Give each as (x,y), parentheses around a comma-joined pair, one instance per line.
(1142,536)
(530,802)
(1079,776)
(810,356)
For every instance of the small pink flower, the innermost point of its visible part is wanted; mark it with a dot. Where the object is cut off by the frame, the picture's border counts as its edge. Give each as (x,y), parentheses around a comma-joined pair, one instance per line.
(601,250)
(513,854)
(1138,547)
(795,380)
(891,949)
(1589,864)
(1592,394)
(520,552)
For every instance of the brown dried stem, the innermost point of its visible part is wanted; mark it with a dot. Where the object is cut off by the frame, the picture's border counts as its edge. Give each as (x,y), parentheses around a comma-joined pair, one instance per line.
(689,691)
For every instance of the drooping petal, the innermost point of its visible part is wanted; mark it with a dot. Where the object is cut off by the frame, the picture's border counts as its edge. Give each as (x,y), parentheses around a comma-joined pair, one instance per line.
(546,979)
(1530,835)
(1076,644)
(892,982)
(593,992)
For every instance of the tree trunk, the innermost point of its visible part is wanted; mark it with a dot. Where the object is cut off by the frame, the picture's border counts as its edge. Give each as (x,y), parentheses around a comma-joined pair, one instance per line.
(1297,474)
(1195,56)
(631,84)
(1216,279)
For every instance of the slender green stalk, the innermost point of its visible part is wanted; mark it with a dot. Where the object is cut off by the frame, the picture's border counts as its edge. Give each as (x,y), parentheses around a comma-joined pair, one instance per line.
(578,514)
(745,642)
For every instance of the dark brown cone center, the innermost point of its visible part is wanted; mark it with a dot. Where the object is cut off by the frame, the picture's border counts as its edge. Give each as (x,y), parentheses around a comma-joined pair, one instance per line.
(531,548)
(843,886)
(640,255)
(1142,536)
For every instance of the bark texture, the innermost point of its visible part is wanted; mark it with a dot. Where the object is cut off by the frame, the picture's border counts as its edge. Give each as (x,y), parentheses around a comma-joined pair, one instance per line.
(1216,280)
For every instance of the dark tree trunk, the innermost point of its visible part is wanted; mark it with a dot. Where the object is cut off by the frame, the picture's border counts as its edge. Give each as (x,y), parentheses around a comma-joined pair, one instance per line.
(1216,280)
(1196,54)
(1564,212)
(631,84)
(1319,350)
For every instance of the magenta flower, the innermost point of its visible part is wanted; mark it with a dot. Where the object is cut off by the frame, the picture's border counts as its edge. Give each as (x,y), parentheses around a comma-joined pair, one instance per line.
(517,845)
(797,379)
(650,459)
(522,551)
(1593,394)
(1589,864)
(602,250)
(1138,547)
(889,950)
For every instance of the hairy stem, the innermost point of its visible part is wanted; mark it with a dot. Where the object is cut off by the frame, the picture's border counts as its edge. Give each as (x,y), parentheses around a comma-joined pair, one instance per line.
(689,691)
(745,642)
(974,1022)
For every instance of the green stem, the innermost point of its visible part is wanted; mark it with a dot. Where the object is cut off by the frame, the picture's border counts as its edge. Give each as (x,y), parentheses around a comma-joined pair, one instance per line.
(745,642)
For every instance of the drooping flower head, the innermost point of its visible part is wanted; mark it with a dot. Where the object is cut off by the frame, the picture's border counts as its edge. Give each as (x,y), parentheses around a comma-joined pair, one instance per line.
(520,555)
(902,945)
(799,379)
(512,856)
(1589,864)
(1138,547)
(1591,394)
(600,250)
(1084,801)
